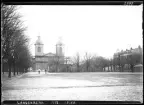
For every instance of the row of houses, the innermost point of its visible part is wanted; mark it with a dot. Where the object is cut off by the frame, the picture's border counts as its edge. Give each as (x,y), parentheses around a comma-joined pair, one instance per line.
(127,54)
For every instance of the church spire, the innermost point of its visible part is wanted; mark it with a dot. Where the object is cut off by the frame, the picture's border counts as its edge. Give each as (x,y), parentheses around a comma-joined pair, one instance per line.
(38,47)
(38,41)
(59,47)
(59,41)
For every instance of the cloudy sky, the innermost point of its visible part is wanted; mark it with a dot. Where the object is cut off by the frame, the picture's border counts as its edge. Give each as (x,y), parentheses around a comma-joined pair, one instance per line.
(95,29)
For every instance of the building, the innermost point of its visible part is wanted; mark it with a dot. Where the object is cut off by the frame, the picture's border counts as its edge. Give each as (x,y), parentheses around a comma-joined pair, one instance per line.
(127,55)
(128,52)
(49,61)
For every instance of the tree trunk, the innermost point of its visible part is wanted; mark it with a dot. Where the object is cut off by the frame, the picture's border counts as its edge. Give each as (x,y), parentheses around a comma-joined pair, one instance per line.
(122,68)
(17,70)
(3,67)
(104,69)
(114,68)
(56,68)
(20,70)
(9,75)
(132,68)
(129,67)
(87,69)
(14,69)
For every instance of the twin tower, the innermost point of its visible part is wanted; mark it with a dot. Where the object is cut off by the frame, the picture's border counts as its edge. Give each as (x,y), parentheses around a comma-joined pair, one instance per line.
(39,48)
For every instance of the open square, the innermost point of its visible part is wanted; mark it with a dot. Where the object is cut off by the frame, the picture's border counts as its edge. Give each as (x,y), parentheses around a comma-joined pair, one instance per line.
(75,86)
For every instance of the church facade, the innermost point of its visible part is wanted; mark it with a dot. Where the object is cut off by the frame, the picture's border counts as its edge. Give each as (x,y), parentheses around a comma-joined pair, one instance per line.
(50,61)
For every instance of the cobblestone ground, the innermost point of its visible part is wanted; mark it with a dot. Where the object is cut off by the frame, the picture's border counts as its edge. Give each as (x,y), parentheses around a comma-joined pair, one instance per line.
(75,86)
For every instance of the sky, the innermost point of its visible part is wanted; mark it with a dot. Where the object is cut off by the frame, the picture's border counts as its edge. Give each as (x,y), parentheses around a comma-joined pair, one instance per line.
(97,30)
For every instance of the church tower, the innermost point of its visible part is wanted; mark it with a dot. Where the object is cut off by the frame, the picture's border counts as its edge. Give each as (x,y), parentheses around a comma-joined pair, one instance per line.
(59,48)
(38,47)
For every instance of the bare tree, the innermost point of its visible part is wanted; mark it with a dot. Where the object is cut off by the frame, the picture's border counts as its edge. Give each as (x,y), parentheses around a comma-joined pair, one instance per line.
(8,29)
(57,63)
(123,62)
(14,47)
(104,62)
(97,63)
(111,64)
(87,58)
(94,63)
(117,62)
(76,62)
(114,63)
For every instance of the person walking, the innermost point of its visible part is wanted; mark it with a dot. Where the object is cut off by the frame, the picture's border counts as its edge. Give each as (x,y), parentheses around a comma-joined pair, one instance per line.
(39,71)
(45,71)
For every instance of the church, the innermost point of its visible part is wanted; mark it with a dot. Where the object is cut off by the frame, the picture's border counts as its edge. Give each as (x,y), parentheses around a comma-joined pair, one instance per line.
(52,62)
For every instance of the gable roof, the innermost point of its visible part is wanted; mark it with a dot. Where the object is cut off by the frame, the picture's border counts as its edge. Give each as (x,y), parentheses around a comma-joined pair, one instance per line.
(49,54)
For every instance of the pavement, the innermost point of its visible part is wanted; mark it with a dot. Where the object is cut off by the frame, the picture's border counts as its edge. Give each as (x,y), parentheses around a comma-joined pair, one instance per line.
(75,86)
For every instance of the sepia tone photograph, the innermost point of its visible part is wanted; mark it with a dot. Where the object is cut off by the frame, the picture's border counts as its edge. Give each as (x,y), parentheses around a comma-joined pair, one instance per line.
(72,52)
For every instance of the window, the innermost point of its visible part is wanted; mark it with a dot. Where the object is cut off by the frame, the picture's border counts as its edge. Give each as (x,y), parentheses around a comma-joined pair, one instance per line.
(39,49)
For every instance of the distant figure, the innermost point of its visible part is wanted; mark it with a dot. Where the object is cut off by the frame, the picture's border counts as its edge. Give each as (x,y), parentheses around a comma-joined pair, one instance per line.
(45,71)
(39,71)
